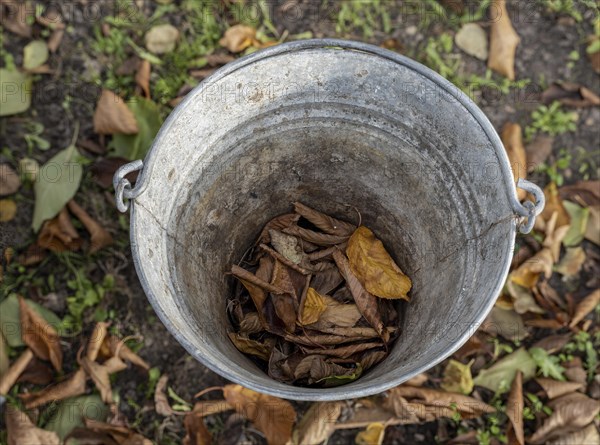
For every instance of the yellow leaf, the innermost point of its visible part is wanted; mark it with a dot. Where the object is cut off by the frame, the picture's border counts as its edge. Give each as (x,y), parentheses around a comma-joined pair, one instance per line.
(314,306)
(457,377)
(373,435)
(8,210)
(374,267)
(512,138)
(238,38)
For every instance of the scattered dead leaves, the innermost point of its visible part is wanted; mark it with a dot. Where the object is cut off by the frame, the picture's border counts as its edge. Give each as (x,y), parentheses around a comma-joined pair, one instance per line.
(571,95)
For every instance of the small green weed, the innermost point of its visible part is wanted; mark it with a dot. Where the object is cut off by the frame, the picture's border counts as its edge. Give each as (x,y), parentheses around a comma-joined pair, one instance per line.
(551,120)
(364,17)
(554,170)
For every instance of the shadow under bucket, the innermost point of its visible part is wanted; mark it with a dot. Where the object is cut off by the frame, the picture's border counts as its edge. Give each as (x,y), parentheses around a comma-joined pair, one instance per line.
(333,124)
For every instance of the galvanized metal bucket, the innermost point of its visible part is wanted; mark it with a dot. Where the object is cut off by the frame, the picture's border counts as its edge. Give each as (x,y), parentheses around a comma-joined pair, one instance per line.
(337,125)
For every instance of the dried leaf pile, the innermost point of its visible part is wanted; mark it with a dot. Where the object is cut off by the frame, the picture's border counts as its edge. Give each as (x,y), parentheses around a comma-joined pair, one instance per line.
(314,305)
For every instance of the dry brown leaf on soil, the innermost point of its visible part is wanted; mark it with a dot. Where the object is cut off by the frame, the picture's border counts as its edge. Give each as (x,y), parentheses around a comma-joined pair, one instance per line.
(9,180)
(9,378)
(196,432)
(112,115)
(113,346)
(584,307)
(503,41)
(40,336)
(365,301)
(587,192)
(373,435)
(142,77)
(100,375)
(121,434)
(505,322)
(374,267)
(586,436)
(58,234)
(314,305)
(570,94)
(272,416)
(528,273)
(96,340)
(38,373)
(554,204)
(206,408)
(326,281)
(17,17)
(537,151)
(22,431)
(326,223)
(467,406)
(512,138)
(514,411)
(570,265)
(99,237)
(317,423)
(555,388)
(239,37)
(71,387)
(161,402)
(571,413)
(554,236)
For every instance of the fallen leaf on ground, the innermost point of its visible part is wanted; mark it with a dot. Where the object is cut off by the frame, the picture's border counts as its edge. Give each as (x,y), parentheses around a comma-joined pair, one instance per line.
(313,307)
(556,388)
(571,263)
(272,416)
(9,180)
(11,375)
(457,377)
(8,210)
(161,39)
(552,343)
(142,77)
(57,184)
(592,231)
(579,218)
(112,115)
(514,411)
(528,273)
(512,138)
(373,435)
(317,423)
(100,375)
(121,434)
(96,339)
(570,94)
(35,54)
(503,41)
(588,435)
(554,203)
(523,300)
(10,316)
(365,301)
(505,322)
(71,387)
(161,402)
(238,37)
(18,17)
(100,238)
(572,413)
(501,374)
(40,336)
(20,86)
(38,373)
(113,346)
(555,236)
(587,192)
(21,430)
(467,406)
(135,146)
(324,222)
(196,432)
(473,40)
(586,306)
(58,234)
(69,415)
(374,267)
(537,151)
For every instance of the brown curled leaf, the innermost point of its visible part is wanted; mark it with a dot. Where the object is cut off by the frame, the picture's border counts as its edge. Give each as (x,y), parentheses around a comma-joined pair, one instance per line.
(326,223)
(320,239)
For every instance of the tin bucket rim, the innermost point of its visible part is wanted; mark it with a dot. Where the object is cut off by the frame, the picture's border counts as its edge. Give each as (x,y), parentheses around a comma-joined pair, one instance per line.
(343,392)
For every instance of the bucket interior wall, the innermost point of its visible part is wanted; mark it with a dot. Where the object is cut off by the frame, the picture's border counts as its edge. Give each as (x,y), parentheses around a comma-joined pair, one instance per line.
(341,131)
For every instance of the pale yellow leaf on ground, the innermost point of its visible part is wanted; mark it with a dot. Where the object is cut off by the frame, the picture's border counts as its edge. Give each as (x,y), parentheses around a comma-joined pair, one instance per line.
(317,423)
(528,273)
(374,267)
(272,416)
(112,115)
(373,435)
(238,38)
(457,377)
(10,376)
(512,138)
(473,40)
(161,39)
(8,210)
(503,41)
